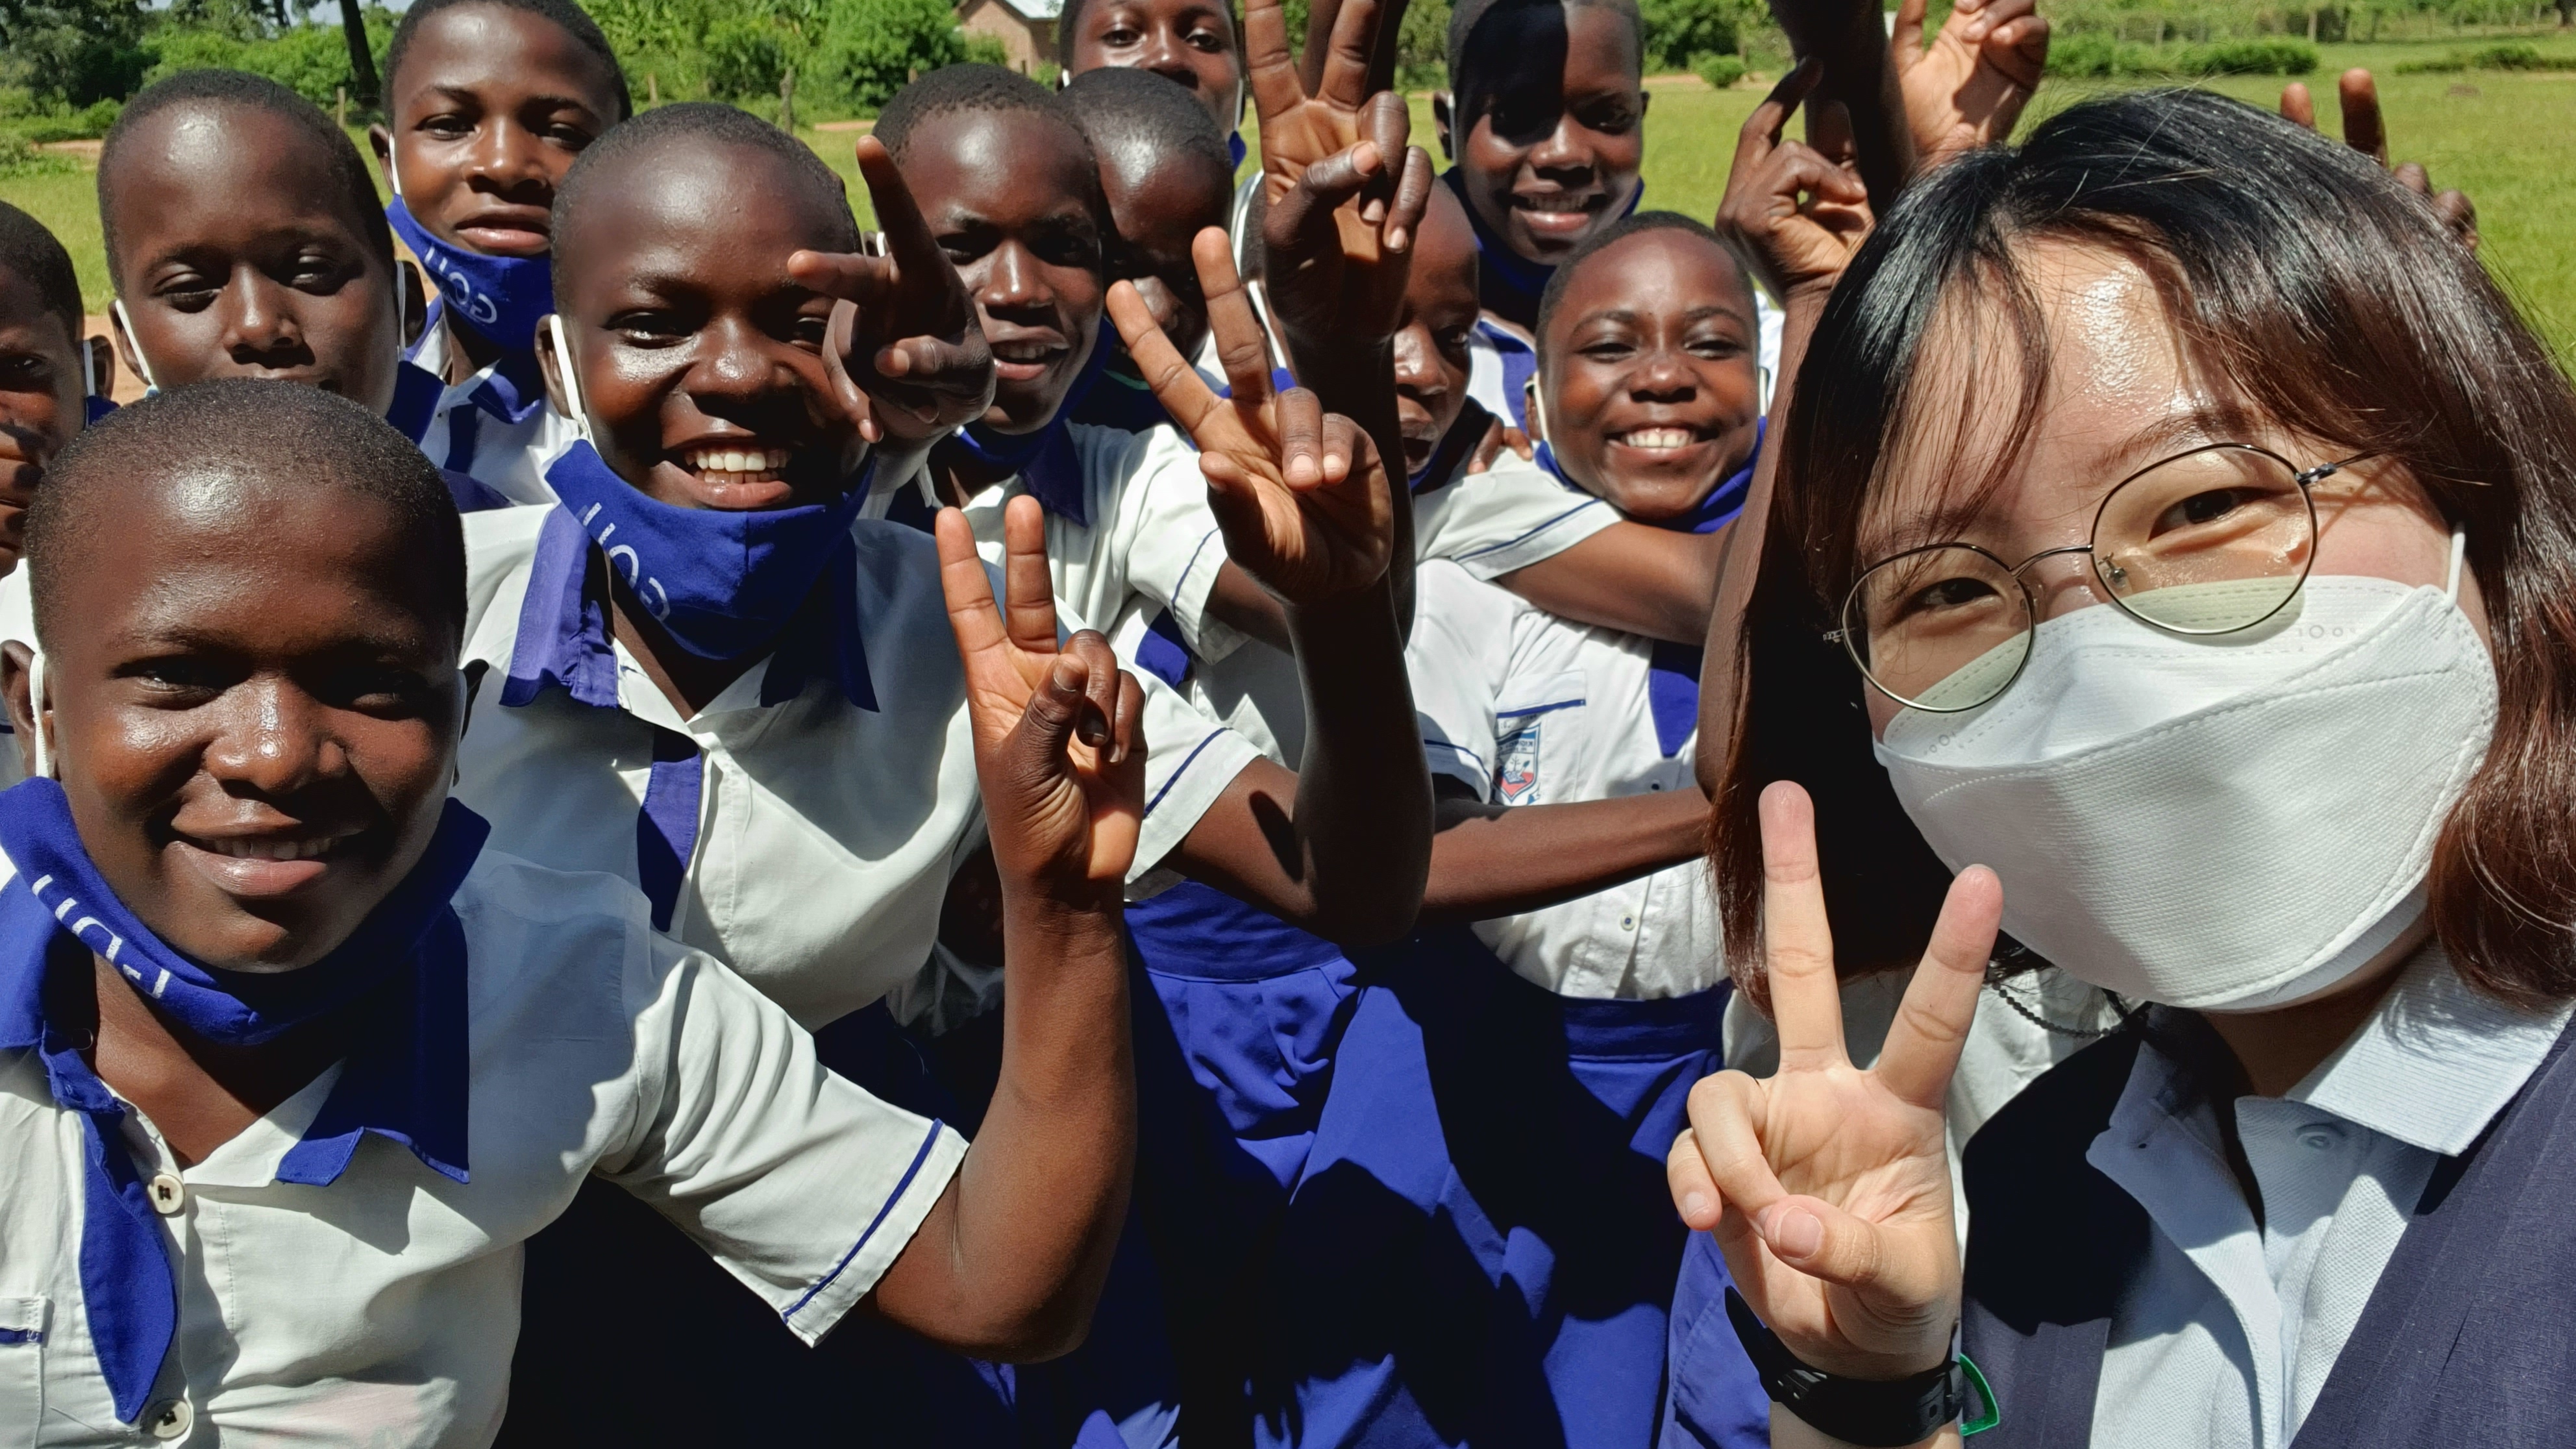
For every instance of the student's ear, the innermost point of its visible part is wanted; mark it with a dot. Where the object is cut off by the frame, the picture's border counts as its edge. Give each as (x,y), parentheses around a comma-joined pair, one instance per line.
(1645,98)
(549,365)
(1533,410)
(124,335)
(17,679)
(102,365)
(1440,113)
(411,300)
(381,141)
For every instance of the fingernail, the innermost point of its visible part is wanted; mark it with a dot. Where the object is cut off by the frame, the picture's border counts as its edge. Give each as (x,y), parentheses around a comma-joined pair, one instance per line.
(1695,1206)
(1792,1232)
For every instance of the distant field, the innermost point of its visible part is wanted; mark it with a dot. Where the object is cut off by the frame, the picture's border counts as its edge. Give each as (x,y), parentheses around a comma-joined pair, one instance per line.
(2507,138)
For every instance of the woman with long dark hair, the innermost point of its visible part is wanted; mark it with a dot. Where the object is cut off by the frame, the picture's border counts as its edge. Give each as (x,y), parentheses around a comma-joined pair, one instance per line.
(2201,521)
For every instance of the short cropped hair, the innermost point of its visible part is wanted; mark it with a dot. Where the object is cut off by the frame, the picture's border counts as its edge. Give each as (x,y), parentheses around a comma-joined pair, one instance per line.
(564,15)
(970,87)
(1618,232)
(286,432)
(32,252)
(1467,86)
(234,88)
(722,125)
(1123,107)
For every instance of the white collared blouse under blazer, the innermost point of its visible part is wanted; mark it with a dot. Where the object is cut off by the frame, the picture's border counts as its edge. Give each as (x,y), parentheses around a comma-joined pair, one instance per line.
(382,1309)
(1525,708)
(827,832)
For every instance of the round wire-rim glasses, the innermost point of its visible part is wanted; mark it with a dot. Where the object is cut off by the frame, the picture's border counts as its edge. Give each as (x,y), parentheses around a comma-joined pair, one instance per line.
(2212,540)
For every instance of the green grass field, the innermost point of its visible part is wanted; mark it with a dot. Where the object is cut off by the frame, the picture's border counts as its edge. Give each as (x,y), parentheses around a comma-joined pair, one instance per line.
(2504,137)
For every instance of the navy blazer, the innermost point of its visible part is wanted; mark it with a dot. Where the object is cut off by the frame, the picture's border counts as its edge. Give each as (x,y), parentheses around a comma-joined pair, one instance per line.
(2469,1337)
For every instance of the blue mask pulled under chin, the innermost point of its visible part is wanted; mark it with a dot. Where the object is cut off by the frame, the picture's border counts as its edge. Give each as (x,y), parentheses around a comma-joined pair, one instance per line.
(723,582)
(499,297)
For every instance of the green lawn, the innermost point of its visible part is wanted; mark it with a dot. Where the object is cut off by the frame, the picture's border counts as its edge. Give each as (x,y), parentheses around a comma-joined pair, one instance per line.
(2501,136)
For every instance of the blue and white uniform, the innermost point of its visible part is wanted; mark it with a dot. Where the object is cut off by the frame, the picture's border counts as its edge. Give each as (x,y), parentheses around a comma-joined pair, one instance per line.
(1481,1248)
(347,1268)
(494,427)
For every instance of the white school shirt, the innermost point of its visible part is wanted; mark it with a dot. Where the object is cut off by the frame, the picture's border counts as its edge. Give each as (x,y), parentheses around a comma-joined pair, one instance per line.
(1525,708)
(827,832)
(1489,523)
(2227,1336)
(508,458)
(382,1309)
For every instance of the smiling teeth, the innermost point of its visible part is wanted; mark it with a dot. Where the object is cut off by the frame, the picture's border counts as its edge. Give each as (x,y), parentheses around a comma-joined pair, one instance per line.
(268,849)
(1658,438)
(1025,351)
(738,464)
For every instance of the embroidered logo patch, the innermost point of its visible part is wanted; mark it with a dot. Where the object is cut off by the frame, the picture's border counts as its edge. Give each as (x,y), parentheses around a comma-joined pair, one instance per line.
(1516,769)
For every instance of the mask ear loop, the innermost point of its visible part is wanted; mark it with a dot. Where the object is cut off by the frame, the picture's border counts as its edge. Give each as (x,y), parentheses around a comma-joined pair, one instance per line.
(2459,553)
(124,326)
(36,707)
(580,411)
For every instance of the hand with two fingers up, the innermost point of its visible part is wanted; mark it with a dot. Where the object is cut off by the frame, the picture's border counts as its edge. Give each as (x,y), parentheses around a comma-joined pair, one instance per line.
(1796,211)
(1345,190)
(1828,1186)
(2364,131)
(907,355)
(1302,495)
(1968,88)
(1059,740)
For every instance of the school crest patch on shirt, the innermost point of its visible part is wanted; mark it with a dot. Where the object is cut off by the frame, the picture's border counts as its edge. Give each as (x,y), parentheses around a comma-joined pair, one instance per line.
(1516,766)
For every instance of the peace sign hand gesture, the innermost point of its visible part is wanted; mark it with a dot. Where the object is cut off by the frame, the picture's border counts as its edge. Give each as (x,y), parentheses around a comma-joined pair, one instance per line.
(1828,1187)
(1795,210)
(906,353)
(1344,190)
(1300,494)
(1969,88)
(1059,739)
(2364,131)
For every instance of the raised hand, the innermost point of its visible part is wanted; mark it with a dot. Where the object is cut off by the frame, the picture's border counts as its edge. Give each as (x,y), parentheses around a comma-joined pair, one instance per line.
(1301,495)
(1344,189)
(1969,88)
(1828,1187)
(1059,743)
(2364,131)
(1796,211)
(907,355)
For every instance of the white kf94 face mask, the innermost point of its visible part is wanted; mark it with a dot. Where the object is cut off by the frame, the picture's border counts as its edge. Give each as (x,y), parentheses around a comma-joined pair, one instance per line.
(2225,822)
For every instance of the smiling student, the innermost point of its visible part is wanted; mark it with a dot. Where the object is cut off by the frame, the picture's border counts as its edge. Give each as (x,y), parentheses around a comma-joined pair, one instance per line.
(487,104)
(1192,43)
(48,386)
(244,931)
(244,240)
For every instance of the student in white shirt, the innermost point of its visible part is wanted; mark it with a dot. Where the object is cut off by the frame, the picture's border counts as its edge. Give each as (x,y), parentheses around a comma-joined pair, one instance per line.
(243,240)
(2265,761)
(244,931)
(487,103)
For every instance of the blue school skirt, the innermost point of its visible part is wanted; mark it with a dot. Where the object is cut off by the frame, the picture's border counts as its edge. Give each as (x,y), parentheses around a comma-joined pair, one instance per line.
(1236,1027)
(630,1334)
(1481,1250)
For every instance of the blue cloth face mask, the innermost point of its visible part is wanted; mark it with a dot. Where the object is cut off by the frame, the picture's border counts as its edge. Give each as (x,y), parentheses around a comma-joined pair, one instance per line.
(723,582)
(500,297)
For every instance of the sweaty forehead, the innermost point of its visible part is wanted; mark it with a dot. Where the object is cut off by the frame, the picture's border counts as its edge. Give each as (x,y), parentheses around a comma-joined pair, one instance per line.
(997,163)
(689,195)
(198,164)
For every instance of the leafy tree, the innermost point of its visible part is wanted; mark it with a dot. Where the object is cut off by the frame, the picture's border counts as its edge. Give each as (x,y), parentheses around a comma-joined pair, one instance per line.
(871,48)
(75,51)
(1678,31)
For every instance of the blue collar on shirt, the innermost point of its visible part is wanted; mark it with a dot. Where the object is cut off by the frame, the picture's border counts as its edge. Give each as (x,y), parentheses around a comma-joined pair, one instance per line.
(511,391)
(406,1077)
(416,394)
(1044,460)
(1714,512)
(563,638)
(1502,272)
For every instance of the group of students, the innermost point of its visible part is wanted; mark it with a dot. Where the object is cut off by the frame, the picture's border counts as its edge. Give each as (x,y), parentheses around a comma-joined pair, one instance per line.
(953,767)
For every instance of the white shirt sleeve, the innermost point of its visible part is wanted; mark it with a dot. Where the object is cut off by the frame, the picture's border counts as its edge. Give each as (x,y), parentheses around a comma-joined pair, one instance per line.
(1173,547)
(799,1183)
(1508,517)
(1457,658)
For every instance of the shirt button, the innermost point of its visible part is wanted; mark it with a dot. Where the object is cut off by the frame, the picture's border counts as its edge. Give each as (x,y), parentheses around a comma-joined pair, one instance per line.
(1627,923)
(170,1419)
(168,1194)
(2320,1136)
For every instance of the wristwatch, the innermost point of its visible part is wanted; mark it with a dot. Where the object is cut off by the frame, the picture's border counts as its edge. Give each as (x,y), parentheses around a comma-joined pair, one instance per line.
(1875,1413)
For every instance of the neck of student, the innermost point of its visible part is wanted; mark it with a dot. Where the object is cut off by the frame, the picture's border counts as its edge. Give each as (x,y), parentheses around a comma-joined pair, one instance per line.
(957,476)
(689,681)
(468,351)
(200,1094)
(2278,1048)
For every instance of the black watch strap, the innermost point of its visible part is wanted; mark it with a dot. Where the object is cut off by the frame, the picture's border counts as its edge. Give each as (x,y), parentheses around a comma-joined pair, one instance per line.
(1879,1414)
